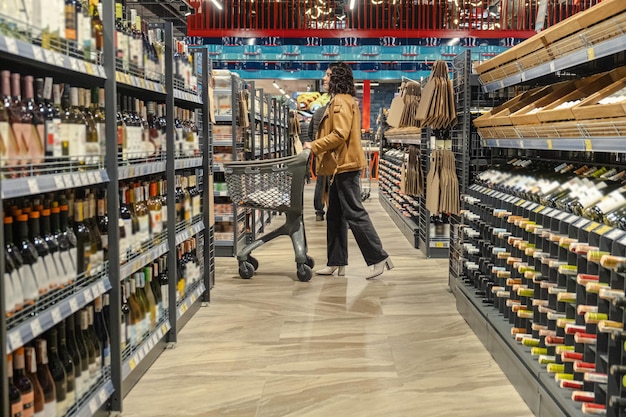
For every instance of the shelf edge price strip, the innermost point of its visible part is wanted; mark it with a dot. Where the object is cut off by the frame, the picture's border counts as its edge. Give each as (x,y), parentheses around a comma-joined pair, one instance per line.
(28,330)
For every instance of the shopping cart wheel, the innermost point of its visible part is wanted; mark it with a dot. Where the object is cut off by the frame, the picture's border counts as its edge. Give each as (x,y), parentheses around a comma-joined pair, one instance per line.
(246,270)
(304,272)
(310,262)
(253,261)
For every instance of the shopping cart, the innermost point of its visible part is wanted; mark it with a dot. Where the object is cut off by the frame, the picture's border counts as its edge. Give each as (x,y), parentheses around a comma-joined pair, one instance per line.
(275,185)
(365,182)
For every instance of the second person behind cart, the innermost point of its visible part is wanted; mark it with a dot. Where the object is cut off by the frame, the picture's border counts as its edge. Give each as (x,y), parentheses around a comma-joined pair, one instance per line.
(339,156)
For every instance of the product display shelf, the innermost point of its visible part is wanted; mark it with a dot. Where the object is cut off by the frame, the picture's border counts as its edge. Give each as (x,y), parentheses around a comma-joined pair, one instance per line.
(229,133)
(551,140)
(403,210)
(502,252)
(433,240)
(107,393)
(602,39)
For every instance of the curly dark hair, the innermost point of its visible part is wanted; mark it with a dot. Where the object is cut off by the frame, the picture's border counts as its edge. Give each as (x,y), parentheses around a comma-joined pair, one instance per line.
(341,79)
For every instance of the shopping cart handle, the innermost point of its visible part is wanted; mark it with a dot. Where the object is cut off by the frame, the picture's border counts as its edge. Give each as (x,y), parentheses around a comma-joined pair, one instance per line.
(251,170)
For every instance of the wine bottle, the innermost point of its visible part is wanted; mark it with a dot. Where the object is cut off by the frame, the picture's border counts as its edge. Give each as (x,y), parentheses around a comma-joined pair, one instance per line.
(91,331)
(155,210)
(156,289)
(15,397)
(96,25)
(92,139)
(83,241)
(82,332)
(9,146)
(10,299)
(38,144)
(53,247)
(57,370)
(122,134)
(164,283)
(80,355)
(45,379)
(97,257)
(101,331)
(23,384)
(125,328)
(143,215)
(31,374)
(46,269)
(135,326)
(65,260)
(21,123)
(13,264)
(68,365)
(143,302)
(147,289)
(67,242)
(103,225)
(31,267)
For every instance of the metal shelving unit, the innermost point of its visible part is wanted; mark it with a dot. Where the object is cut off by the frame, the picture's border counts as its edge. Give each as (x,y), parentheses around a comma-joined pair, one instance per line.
(116,380)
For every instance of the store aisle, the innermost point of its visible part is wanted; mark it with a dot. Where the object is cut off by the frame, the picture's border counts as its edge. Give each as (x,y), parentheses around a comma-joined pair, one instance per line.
(336,346)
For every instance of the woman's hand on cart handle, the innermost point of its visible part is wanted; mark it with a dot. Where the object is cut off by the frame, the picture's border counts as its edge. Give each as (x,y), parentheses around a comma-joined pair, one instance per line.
(306,145)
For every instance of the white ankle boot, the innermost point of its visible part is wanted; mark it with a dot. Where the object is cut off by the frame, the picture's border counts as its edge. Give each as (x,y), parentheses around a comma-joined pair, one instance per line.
(330,270)
(379,268)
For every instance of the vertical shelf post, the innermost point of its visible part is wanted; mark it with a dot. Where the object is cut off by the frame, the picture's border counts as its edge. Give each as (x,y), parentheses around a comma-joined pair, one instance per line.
(113,208)
(170,163)
(207,163)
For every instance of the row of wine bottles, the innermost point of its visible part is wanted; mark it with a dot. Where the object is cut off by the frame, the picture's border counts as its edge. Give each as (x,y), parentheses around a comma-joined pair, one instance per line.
(595,192)
(45,122)
(526,271)
(50,375)
(51,240)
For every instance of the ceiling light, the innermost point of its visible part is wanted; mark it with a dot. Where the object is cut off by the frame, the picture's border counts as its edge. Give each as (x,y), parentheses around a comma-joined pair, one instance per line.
(275,85)
(281,91)
(352,4)
(217,4)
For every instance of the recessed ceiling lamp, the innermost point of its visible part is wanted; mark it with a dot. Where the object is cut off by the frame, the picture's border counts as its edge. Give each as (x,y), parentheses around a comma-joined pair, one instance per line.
(352,4)
(217,4)
(275,84)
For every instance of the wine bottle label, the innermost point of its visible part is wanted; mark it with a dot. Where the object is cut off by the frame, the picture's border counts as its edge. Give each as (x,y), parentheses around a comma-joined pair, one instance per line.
(165,297)
(195,205)
(21,135)
(144,227)
(38,143)
(5,143)
(132,334)
(50,409)
(29,284)
(61,407)
(164,215)
(106,355)
(70,398)
(28,404)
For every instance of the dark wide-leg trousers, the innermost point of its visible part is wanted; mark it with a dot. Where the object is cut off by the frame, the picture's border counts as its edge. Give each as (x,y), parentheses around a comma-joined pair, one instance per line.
(345,208)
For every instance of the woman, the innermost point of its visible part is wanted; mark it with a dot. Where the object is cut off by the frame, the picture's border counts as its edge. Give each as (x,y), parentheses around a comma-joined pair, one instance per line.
(339,155)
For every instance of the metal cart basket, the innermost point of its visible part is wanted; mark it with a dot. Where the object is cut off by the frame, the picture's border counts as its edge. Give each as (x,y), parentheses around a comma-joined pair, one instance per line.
(276,185)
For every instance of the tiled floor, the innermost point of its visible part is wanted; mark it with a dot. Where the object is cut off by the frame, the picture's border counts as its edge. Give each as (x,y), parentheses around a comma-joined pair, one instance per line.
(335,346)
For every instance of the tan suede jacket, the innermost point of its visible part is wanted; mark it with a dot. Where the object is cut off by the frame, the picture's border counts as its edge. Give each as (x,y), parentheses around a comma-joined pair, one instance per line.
(338,142)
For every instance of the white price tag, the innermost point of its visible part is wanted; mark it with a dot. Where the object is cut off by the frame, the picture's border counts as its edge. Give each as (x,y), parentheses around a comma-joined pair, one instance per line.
(15,339)
(73,305)
(58,182)
(33,186)
(11,45)
(102,396)
(533,206)
(93,406)
(38,54)
(88,295)
(78,181)
(67,179)
(101,288)
(56,315)
(74,64)
(98,176)
(35,328)
(60,60)
(84,178)
(49,56)
(614,234)
(92,177)
(552,66)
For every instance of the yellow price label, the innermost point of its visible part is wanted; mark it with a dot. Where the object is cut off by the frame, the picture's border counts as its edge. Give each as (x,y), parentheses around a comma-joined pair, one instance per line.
(549,143)
(88,68)
(591,226)
(132,364)
(591,54)
(439,245)
(143,83)
(118,76)
(538,209)
(519,203)
(602,230)
(588,145)
(184,308)
(164,328)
